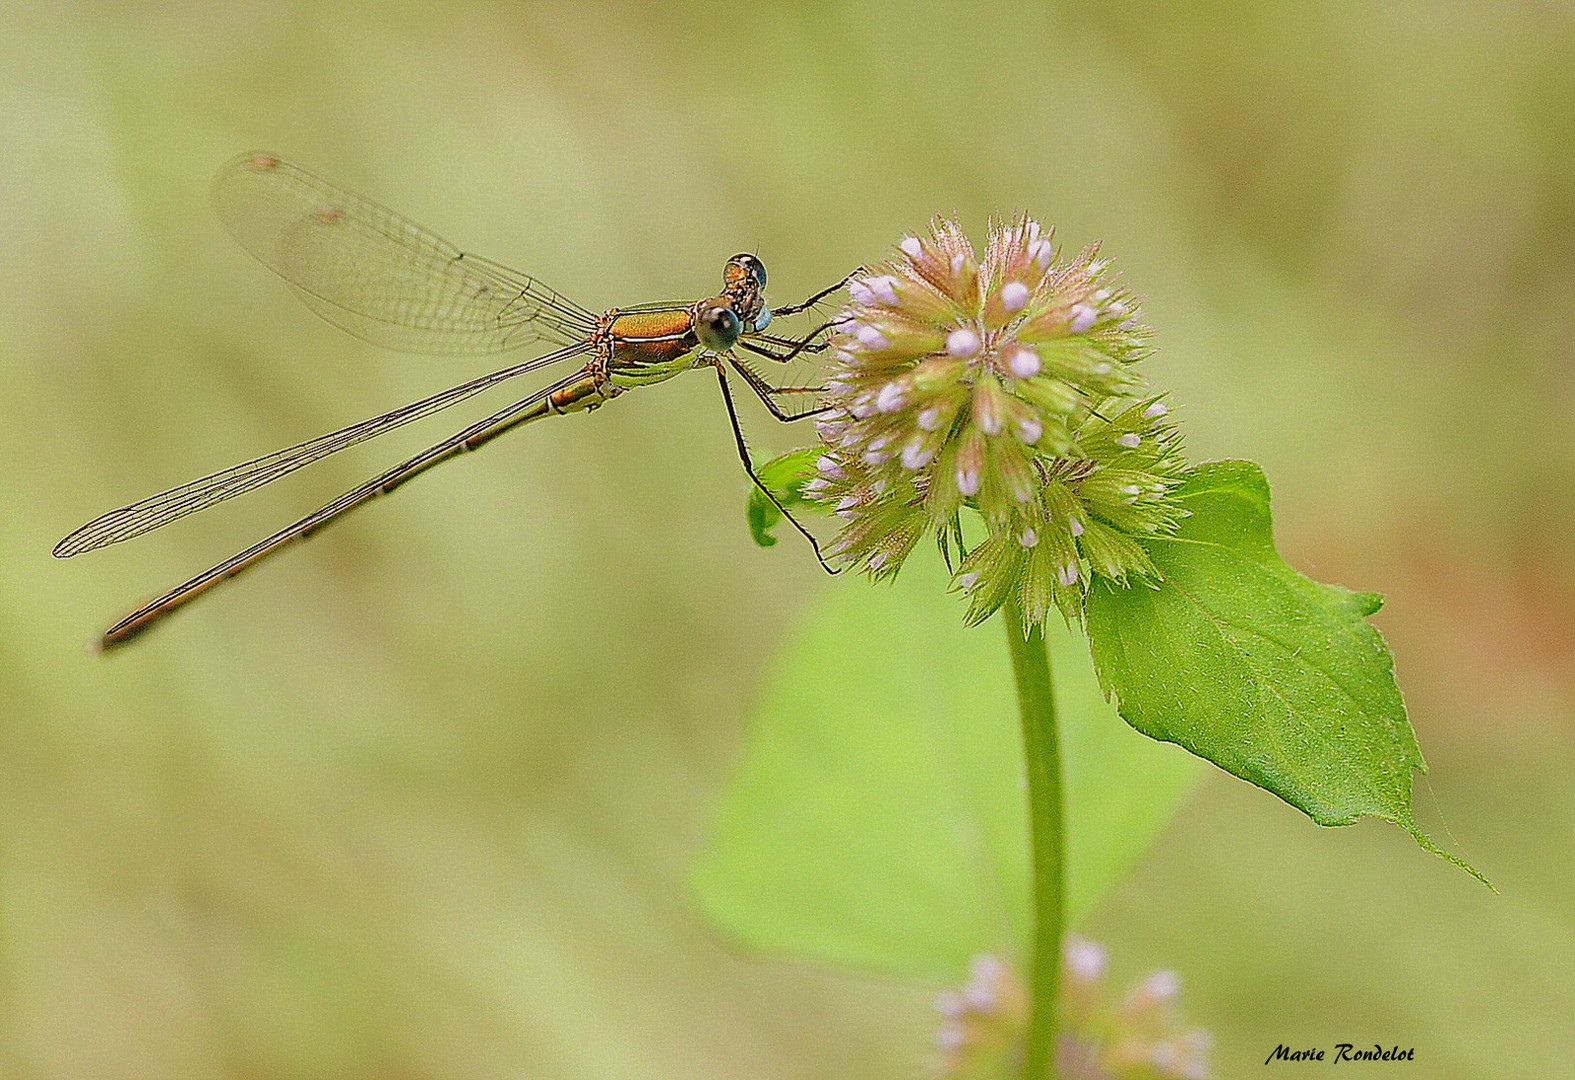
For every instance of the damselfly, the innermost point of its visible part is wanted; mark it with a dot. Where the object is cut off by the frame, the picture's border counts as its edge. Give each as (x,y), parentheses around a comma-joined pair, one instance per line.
(393,283)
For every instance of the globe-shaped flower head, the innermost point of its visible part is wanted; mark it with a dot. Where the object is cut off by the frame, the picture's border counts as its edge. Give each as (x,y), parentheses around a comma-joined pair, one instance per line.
(1005,386)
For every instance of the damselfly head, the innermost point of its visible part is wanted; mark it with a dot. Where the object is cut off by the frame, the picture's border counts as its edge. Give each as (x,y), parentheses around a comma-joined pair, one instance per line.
(743,289)
(744,265)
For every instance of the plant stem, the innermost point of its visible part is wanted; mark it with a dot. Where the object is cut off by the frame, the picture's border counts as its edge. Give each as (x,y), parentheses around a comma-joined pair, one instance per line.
(1042,756)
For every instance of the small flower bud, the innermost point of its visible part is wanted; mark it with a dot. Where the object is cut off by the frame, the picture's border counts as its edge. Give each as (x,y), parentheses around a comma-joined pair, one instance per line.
(916,454)
(989,406)
(892,397)
(963,343)
(983,1022)
(970,464)
(1022,361)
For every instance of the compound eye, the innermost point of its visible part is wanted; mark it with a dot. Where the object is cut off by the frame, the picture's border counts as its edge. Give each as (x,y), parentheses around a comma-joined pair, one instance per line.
(751,266)
(718,327)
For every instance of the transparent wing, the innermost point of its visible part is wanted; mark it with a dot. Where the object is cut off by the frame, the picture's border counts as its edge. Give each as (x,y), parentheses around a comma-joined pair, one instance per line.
(473,436)
(165,507)
(383,278)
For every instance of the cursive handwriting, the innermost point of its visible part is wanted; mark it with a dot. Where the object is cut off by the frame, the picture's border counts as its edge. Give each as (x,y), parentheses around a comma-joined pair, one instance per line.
(1342,1052)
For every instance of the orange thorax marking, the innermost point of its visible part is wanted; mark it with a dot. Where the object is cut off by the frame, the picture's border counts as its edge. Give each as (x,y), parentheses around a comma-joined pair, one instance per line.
(652,337)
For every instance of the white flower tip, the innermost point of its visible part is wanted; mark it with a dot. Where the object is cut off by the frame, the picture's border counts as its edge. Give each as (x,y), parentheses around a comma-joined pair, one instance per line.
(891,397)
(1085,959)
(1155,411)
(1069,574)
(1041,252)
(1131,440)
(950,1005)
(1023,362)
(859,292)
(1081,317)
(1014,294)
(1029,430)
(986,967)
(982,998)
(916,455)
(1163,985)
(1028,538)
(968,580)
(1076,525)
(884,289)
(968,481)
(871,338)
(930,418)
(951,1039)
(963,343)
(911,247)
(827,466)
(958,261)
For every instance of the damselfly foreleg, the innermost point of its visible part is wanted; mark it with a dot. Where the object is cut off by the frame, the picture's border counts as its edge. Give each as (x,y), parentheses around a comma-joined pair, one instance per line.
(810,342)
(749,466)
(787,347)
(794,309)
(767,393)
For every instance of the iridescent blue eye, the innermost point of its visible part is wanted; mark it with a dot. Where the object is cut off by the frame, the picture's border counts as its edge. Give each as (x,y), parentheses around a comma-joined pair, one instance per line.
(762,320)
(718,327)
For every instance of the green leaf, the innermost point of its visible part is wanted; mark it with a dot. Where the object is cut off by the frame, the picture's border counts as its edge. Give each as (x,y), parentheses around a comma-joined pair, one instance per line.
(785,476)
(1273,677)
(880,819)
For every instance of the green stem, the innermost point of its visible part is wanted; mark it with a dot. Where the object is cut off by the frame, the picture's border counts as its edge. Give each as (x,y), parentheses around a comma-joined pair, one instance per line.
(1042,755)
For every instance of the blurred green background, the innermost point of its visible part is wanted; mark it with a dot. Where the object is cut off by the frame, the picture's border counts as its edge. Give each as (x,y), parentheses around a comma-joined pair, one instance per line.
(421,798)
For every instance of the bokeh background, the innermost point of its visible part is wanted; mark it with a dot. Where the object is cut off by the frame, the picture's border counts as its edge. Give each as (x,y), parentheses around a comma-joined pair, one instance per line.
(420,799)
